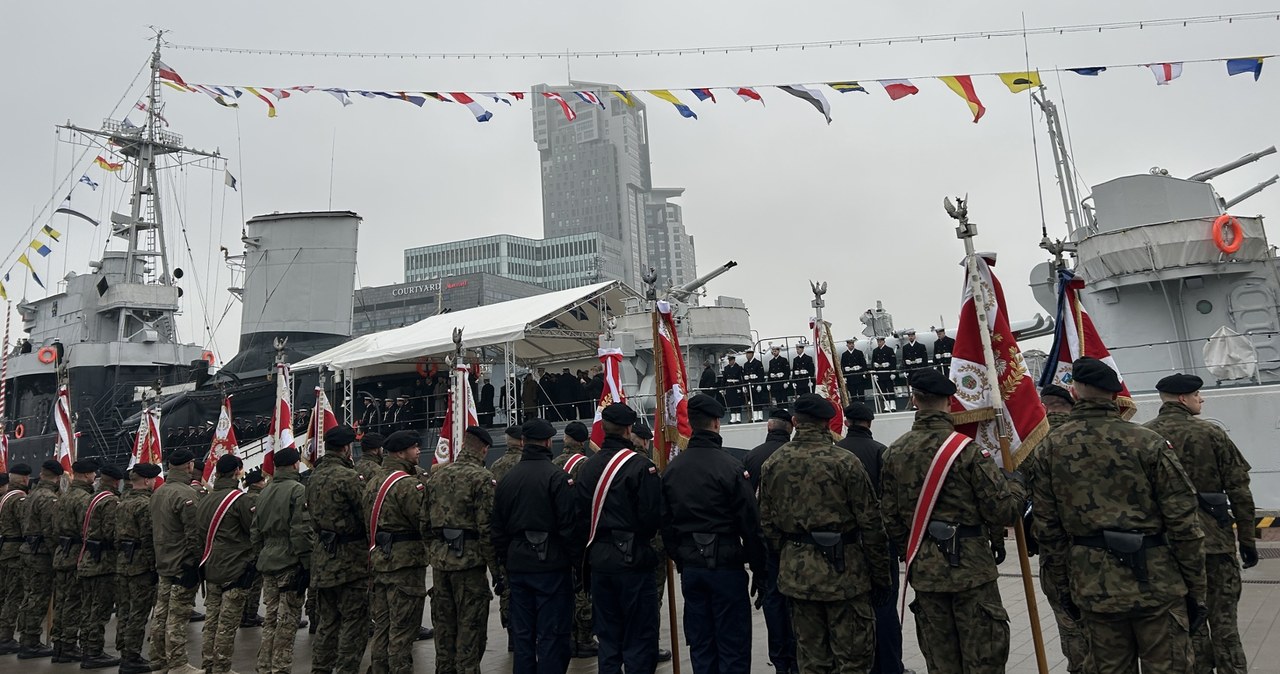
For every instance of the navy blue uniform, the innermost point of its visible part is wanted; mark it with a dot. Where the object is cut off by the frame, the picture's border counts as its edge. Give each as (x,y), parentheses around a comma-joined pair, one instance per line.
(777,610)
(853,363)
(711,526)
(535,539)
(624,598)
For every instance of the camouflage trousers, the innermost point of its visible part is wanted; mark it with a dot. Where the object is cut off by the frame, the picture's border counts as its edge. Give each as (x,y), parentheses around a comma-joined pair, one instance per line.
(1158,636)
(460,614)
(1070,632)
(963,632)
(1217,645)
(172,614)
(68,608)
(10,596)
(223,610)
(135,595)
(253,598)
(35,604)
(342,633)
(396,610)
(582,628)
(282,607)
(99,600)
(835,636)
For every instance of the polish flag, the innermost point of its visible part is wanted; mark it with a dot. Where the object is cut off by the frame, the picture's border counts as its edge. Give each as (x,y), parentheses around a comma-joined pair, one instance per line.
(281,431)
(167,73)
(65,449)
(460,403)
(610,360)
(828,375)
(748,94)
(899,88)
(322,419)
(146,446)
(476,109)
(224,439)
(569,114)
(1166,72)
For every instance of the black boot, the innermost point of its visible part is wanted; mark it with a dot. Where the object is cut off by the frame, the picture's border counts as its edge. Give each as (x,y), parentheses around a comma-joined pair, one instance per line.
(136,664)
(664,655)
(426,633)
(99,660)
(8,647)
(196,616)
(35,651)
(251,620)
(58,648)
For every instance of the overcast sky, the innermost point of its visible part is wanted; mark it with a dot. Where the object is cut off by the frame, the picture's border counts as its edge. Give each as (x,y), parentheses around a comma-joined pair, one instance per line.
(855,203)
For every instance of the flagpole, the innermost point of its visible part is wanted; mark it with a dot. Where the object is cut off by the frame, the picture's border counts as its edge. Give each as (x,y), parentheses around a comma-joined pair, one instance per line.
(459,377)
(966,231)
(660,444)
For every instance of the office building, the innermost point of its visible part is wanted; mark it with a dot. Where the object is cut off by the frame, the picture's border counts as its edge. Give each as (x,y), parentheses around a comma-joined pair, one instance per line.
(387,307)
(670,248)
(553,263)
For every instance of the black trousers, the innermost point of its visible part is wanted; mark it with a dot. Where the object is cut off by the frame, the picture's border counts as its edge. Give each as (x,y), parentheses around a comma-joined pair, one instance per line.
(777,622)
(625,611)
(541,619)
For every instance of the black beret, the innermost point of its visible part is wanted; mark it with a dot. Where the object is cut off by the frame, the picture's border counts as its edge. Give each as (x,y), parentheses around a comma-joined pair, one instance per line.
(1055,391)
(340,436)
(198,464)
(619,414)
(932,382)
(538,429)
(4,479)
(706,406)
(113,472)
(1095,373)
(1179,384)
(781,413)
(52,466)
(371,440)
(19,469)
(147,470)
(577,430)
(85,466)
(401,440)
(254,477)
(287,457)
(858,412)
(515,432)
(228,464)
(480,434)
(814,405)
(180,457)
(642,432)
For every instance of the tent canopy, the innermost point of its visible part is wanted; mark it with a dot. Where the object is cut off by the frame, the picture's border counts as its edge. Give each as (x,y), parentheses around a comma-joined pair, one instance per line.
(555,326)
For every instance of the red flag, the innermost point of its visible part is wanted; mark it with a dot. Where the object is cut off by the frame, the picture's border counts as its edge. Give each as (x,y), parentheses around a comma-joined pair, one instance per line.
(147,447)
(224,439)
(167,73)
(65,449)
(4,450)
(322,419)
(569,114)
(971,406)
(828,373)
(610,360)
(1075,337)
(675,382)
(281,433)
(448,446)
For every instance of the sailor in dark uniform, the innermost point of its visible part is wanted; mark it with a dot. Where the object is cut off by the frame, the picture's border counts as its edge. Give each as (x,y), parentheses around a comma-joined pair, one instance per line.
(853,363)
(942,347)
(387,423)
(369,420)
(753,373)
(402,418)
(779,372)
(884,361)
(733,397)
(914,354)
(803,372)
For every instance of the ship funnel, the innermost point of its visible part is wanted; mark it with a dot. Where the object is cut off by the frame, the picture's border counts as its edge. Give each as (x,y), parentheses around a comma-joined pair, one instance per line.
(1231,166)
(683,292)
(1250,192)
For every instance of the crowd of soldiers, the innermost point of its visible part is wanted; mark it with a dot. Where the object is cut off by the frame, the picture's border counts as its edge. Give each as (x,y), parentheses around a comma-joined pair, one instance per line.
(1134,527)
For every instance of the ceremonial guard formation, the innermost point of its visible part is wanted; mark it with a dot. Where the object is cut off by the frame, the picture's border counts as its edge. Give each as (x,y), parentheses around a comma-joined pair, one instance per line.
(853,364)
(753,373)
(733,389)
(803,372)
(884,361)
(779,373)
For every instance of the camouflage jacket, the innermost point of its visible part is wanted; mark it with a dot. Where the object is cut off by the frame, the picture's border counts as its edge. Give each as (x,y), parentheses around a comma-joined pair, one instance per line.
(68,517)
(810,485)
(334,497)
(975,493)
(37,520)
(229,549)
(133,524)
(13,505)
(401,515)
(282,527)
(368,467)
(102,530)
(177,540)
(1214,464)
(563,458)
(1057,419)
(459,495)
(505,463)
(1098,472)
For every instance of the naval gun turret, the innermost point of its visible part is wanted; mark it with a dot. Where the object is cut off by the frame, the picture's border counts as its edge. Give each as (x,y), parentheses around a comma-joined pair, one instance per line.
(684,292)
(1212,173)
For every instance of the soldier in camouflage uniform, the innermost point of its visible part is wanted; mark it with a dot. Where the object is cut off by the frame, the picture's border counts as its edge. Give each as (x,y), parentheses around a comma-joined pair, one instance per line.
(369,467)
(68,592)
(224,519)
(457,509)
(393,507)
(282,531)
(37,552)
(254,483)
(577,444)
(508,460)
(1220,475)
(1057,404)
(340,558)
(178,545)
(961,623)
(1116,518)
(96,568)
(13,496)
(136,569)
(834,563)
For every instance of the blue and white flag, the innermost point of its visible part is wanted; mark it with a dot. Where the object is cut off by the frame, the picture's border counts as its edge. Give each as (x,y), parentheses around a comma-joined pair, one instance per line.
(89,181)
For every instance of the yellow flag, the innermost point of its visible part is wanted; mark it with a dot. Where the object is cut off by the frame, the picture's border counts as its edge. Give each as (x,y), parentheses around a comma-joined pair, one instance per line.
(1020,81)
(625,98)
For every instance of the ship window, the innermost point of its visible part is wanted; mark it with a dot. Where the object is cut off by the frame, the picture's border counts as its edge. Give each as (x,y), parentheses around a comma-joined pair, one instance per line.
(1204,306)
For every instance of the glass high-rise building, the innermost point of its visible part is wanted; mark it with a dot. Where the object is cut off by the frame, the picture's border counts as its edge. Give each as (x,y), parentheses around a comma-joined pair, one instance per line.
(553,263)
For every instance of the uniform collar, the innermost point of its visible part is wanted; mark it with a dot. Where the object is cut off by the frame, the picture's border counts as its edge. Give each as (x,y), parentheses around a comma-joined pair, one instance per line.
(932,419)
(397,463)
(285,473)
(1095,408)
(778,435)
(1174,407)
(469,458)
(335,458)
(178,475)
(702,438)
(612,443)
(812,434)
(86,487)
(860,431)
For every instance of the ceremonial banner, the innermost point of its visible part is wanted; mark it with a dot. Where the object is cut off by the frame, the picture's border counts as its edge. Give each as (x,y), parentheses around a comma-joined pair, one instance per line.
(674,383)
(280,435)
(65,447)
(147,447)
(450,443)
(972,405)
(1074,336)
(224,439)
(610,360)
(322,419)
(830,382)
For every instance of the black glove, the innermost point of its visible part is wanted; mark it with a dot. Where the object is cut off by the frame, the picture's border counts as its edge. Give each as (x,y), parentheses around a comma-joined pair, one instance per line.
(997,551)
(1069,607)
(1197,614)
(301,580)
(881,595)
(499,585)
(1248,555)
(190,576)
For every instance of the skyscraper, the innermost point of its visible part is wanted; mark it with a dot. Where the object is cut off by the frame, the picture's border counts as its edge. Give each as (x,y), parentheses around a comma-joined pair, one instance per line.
(670,248)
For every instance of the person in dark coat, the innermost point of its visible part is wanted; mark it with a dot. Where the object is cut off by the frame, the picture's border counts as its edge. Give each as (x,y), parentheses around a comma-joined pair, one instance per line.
(733,389)
(707,380)
(914,354)
(779,372)
(853,364)
(484,406)
(884,361)
(777,610)
(570,394)
(753,375)
(803,372)
(942,348)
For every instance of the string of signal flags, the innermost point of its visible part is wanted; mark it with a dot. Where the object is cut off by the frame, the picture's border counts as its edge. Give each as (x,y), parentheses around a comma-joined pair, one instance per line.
(812,92)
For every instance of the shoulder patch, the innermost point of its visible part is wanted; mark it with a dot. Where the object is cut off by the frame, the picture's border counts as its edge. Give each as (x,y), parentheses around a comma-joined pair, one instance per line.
(653,470)
(986,454)
(493,482)
(746,475)
(570,482)
(419,486)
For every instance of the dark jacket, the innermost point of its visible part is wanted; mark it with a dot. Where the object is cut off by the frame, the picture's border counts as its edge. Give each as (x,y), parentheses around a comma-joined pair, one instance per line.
(705,491)
(533,498)
(868,450)
(632,510)
(761,453)
(231,550)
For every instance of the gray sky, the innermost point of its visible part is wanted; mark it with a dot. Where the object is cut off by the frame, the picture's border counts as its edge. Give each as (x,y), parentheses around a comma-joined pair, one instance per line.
(856,203)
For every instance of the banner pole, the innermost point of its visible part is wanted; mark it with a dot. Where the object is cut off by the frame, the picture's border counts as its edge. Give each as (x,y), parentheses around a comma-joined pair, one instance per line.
(660,445)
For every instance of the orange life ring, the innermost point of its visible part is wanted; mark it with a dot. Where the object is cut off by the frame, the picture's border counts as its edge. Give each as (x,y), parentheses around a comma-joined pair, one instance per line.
(46,355)
(426,369)
(19,431)
(1237,234)
(207,356)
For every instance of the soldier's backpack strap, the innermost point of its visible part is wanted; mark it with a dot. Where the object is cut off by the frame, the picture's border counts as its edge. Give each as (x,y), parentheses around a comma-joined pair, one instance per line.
(376,511)
(88,516)
(573,461)
(217,522)
(933,481)
(601,493)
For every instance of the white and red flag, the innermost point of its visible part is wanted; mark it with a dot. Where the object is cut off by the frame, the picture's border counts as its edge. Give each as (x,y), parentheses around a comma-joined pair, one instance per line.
(462,407)
(147,447)
(748,94)
(1074,337)
(674,384)
(610,360)
(281,431)
(971,406)
(65,447)
(322,419)
(1166,72)
(828,373)
(569,114)
(224,440)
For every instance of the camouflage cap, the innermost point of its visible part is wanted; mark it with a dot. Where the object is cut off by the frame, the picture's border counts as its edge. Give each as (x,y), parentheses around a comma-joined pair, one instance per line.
(1096,373)
(1179,384)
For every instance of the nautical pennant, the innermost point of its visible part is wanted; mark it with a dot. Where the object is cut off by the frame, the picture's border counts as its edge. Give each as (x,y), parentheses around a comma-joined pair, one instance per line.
(1166,72)
(899,88)
(51,232)
(476,109)
(671,98)
(89,181)
(748,94)
(1249,65)
(1020,81)
(963,86)
(569,114)
(847,87)
(813,96)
